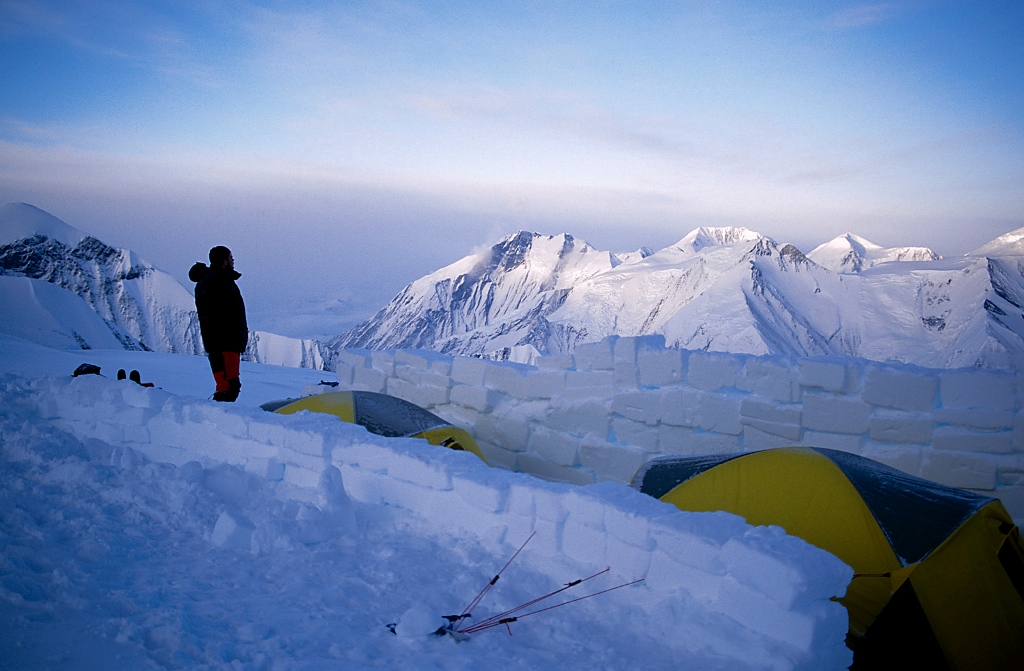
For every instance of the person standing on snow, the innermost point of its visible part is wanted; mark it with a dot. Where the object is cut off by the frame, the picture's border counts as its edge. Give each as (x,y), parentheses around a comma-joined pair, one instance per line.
(221,319)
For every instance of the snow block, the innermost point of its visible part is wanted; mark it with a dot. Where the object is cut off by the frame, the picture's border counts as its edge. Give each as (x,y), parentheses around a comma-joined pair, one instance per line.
(369,379)
(608,461)
(554,446)
(509,431)
(305,442)
(625,560)
(384,361)
(790,432)
(975,418)
(832,441)
(755,611)
(542,384)
(905,458)
(267,468)
(355,357)
(713,371)
(585,509)
(427,396)
(978,389)
(959,469)
(302,477)
(675,439)
(660,367)
(679,406)
(556,362)
(595,356)
(476,397)
(423,470)
(589,384)
(549,499)
(361,484)
(756,439)
(546,470)
(769,379)
(136,396)
(345,372)
(584,543)
(901,427)
(769,575)
(900,390)
(708,442)
(835,414)
(397,386)
(488,496)
(640,405)
(505,377)
(498,456)
(956,438)
(667,575)
(580,419)
(822,374)
(638,434)
(720,414)
(468,370)
(755,408)
(407,373)
(233,530)
(423,360)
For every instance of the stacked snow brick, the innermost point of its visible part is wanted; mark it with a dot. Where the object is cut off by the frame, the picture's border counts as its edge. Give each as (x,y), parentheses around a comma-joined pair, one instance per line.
(600,413)
(704,562)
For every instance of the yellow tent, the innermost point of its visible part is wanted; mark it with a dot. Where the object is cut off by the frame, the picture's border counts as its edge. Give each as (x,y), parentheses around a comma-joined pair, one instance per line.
(939,572)
(384,415)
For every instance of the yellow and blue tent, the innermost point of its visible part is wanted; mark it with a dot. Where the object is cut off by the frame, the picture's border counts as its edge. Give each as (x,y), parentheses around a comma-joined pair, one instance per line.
(938,572)
(383,415)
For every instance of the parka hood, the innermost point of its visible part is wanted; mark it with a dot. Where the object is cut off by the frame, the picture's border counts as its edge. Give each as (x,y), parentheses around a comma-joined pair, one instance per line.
(200,271)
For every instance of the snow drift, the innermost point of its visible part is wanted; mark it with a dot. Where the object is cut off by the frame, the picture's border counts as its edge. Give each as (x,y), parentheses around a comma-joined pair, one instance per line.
(261,526)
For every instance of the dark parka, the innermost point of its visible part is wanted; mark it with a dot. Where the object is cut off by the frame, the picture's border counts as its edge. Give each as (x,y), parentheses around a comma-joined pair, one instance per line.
(221,309)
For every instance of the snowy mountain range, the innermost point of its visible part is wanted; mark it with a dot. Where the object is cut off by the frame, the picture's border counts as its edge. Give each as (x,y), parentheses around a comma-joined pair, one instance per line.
(725,289)
(63,288)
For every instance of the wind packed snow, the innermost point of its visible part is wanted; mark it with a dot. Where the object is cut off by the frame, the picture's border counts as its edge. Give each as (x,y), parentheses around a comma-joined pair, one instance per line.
(113,560)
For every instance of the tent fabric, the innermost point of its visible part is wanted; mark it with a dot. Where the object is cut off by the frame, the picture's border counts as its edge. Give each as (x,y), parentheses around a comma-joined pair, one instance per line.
(938,571)
(383,415)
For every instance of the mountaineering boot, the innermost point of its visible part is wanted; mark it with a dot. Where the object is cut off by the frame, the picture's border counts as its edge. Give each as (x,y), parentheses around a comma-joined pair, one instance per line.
(135,377)
(234,386)
(121,375)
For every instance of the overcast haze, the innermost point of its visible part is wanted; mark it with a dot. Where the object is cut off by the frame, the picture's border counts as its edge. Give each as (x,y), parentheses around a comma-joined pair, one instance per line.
(345,149)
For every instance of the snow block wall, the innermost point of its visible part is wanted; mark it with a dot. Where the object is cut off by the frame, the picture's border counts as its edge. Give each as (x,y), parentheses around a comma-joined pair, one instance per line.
(750,594)
(602,412)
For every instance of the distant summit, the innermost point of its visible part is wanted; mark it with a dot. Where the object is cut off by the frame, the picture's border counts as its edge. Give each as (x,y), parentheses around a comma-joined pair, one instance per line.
(63,288)
(21,220)
(851,253)
(1009,244)
(723,289)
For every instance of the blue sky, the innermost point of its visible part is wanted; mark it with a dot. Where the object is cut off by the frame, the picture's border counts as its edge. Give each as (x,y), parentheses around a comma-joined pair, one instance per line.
(344,149)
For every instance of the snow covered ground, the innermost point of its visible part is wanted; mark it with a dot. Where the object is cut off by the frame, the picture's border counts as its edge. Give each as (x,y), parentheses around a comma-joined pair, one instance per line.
(112,561)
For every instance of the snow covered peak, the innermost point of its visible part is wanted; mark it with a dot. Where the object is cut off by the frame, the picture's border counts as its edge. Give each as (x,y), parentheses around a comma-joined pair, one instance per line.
(716,236)
(21,220)
(849,253)
(632,257)
(1010,244)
